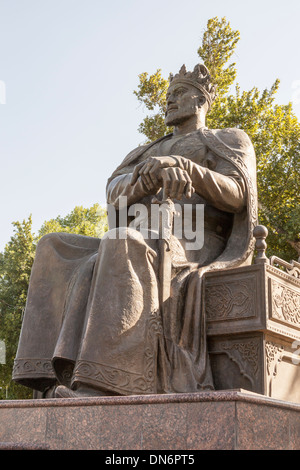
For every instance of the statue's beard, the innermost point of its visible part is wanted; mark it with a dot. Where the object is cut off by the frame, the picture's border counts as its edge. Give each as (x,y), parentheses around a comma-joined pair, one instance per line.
(178,116)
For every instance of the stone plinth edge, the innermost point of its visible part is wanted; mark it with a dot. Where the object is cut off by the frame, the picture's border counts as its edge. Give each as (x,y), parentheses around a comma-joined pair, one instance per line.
(226,420)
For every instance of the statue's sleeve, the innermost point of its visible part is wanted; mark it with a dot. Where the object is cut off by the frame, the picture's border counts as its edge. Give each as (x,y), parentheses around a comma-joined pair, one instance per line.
(120,187)
(222,187)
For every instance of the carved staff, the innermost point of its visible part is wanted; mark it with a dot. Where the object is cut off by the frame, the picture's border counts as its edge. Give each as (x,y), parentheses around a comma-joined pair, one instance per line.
(165,233)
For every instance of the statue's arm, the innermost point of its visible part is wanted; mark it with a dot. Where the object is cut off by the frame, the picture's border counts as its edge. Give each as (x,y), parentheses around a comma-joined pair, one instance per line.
(121,187)
(218,182)
(222,187)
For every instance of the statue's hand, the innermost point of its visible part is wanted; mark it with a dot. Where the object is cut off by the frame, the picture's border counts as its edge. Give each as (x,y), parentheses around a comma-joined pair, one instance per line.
(150,171)
(176,183)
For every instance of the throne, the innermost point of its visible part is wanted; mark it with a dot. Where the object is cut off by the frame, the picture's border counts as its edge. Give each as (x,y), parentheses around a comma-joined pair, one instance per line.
(253,321)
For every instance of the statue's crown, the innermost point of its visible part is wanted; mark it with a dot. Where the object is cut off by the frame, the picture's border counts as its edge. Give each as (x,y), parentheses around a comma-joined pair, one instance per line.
(199,78)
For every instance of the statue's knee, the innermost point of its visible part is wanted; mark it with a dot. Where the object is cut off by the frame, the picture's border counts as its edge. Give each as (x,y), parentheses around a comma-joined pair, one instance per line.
(46,240)
(122,234)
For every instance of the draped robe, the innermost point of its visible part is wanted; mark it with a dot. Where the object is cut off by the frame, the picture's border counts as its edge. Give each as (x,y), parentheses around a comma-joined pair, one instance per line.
(93,313)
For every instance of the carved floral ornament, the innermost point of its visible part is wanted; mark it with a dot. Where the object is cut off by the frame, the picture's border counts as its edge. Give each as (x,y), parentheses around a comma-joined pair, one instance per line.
(229,300)
(245,354)
(292,268)
(286,303)
(247,351)
(273,356)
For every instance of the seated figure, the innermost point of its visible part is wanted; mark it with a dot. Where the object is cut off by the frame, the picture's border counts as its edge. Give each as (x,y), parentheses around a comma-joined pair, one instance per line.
(124,315)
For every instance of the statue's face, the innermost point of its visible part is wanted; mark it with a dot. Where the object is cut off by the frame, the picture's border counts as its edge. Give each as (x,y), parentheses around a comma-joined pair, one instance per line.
(183,102)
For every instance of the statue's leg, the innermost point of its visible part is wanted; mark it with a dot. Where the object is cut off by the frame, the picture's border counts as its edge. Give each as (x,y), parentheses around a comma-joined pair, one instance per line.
(123,303)
(59,258)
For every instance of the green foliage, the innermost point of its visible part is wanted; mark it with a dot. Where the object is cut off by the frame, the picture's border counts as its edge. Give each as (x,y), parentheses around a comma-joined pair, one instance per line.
(274,130)
(218,44)
(91,222)
(152,90)
(151,93)
(15,268)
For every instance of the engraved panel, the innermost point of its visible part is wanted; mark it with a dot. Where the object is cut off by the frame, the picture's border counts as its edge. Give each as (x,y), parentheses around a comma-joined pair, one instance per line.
(244,354)
(283,371)
(226,300)
(36,367)
(285,303)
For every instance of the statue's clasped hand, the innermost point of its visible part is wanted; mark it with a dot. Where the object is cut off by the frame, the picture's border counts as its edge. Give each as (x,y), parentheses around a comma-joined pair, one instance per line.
(164,172)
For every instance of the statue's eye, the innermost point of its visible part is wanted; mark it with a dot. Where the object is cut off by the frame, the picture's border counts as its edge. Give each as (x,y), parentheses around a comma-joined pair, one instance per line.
(180,91)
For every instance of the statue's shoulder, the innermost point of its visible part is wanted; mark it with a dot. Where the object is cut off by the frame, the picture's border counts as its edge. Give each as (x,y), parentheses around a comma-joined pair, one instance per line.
(230,140)
(233,136)
(138,151)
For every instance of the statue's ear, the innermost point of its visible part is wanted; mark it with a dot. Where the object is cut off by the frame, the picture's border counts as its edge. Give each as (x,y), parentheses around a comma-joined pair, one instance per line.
(202,100)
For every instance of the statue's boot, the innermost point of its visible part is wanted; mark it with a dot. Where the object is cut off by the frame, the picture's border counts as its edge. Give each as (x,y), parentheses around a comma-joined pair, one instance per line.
(64,392)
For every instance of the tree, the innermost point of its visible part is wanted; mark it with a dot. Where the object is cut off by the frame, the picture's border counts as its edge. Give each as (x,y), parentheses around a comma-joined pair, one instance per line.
(274,130)
(151,92)
(15,268)
(91,222)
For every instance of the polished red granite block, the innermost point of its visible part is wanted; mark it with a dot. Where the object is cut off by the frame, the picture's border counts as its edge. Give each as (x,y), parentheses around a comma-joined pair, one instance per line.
(119,428)
(66,427)
(26,425)
(262,427)
(203,421)
(22,446)
(164,427)
(294,432)
(211,425)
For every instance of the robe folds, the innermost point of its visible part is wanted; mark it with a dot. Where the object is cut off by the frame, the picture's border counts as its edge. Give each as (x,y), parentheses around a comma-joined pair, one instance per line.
(94,314)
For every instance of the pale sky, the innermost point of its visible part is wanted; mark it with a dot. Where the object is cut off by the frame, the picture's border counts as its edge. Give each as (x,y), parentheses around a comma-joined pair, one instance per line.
(69,68)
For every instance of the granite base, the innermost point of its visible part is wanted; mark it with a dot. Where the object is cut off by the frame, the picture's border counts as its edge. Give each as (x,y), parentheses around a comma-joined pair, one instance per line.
(223,420)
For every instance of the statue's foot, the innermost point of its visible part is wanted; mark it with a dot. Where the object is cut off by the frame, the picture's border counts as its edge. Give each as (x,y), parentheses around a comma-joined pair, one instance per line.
(64,392)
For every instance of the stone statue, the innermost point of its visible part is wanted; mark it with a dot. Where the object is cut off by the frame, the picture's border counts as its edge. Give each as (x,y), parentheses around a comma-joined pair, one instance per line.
(124,315)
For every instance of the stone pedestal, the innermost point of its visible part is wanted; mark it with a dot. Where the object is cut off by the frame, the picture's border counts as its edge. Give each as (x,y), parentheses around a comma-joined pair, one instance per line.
(208,420)
(253,316)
